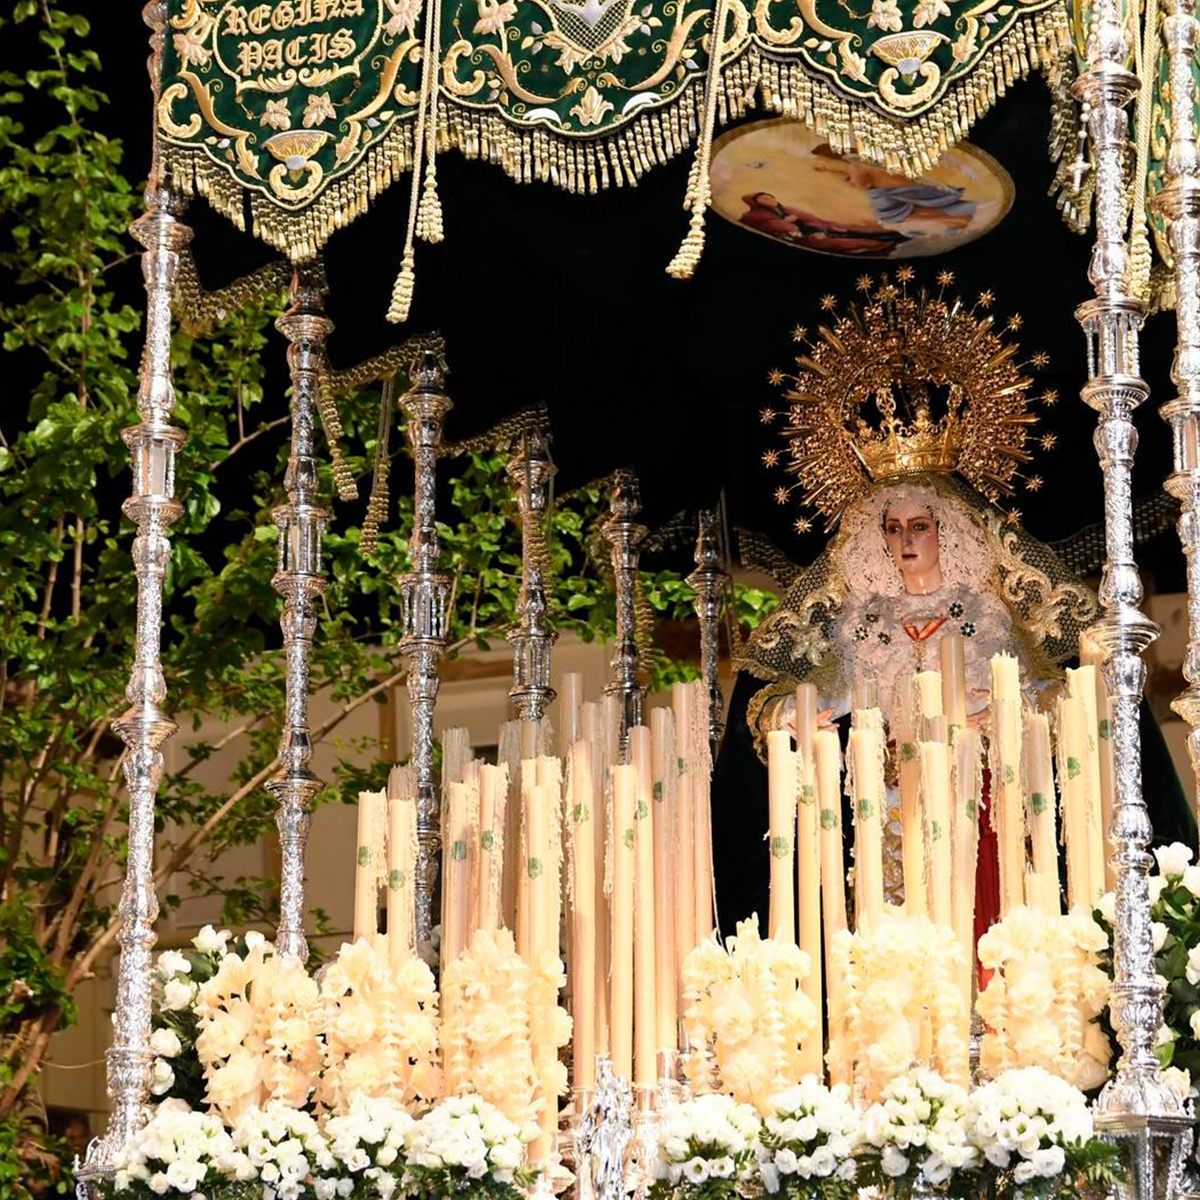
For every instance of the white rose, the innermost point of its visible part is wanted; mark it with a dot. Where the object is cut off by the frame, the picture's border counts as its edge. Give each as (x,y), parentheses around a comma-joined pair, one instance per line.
(324,1189)
(1192,970)
(1156,885)
(997,1156)
(171,962)
(1173,859)
(1158,931)
(158,1184)
(823,1161)
(695,1170)
(209,941)
(165,1043)
(786,1161)
(1191,880)
(254,940)
(1108,907)
(162,1079)
(1178,1079)
(893,1162)
(177,994)
(507,1155)
(1049,1162)
(721,1168)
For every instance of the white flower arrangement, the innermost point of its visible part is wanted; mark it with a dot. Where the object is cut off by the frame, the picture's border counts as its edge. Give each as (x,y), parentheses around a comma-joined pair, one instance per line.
(367,1142)
(745,1010)
(177,1153)
(491,1002)
(285,1147)
(918,1129)
(1026,1121)
(257,1022)
(812,1135)
(706,1146)
(379,1026)
(466,1147)
(1045,992)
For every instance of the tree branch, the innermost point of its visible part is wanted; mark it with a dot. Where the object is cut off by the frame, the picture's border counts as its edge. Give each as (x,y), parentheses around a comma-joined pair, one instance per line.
(244,441)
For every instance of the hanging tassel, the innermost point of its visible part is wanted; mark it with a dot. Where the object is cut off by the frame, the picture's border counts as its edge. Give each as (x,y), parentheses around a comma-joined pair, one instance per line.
(377,503)
(429,215)
(402,292)
(699,189)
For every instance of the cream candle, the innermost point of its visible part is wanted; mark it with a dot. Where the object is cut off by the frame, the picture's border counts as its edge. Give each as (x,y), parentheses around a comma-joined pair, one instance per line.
(645,1026)
(1072,743)
(685,829)
(458,875)
(1009,803)
(906,723)
(781,803)
(570,701)
(1040,800)
(866,754)
(624,851)
(827,755)
(583,917)
(402,836)
(662,753)
(952,659)
(366,870)
(808,858)
(935,790)
(1081,686)
(968,785)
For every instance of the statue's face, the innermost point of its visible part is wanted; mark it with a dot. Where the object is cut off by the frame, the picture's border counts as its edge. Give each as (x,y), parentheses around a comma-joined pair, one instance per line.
(912,539)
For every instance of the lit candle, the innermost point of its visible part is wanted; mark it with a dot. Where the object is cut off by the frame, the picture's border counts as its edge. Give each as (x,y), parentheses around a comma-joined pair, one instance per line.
(366,871)
(583,917)
(1039,790)
(866,755)
(662,753)
(1072,743)
(685,830)
(952,658)
(808,857)
(645,1027)
(935,789)
(781,803)
(570,698)
(402,834)
(906,726)
(827,754)
(1081,685)
(1006,780)
(624,842)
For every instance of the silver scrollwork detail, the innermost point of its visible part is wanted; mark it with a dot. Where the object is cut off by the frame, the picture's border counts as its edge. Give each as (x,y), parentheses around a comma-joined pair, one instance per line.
(624,534)
(532,639)
(709,581)
(423,616)
(1136,1107)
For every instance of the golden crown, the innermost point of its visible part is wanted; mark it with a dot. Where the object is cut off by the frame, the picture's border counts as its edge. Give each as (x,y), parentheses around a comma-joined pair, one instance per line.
(905,382)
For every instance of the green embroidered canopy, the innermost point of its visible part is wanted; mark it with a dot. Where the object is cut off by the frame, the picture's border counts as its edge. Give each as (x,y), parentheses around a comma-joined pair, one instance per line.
(297,112)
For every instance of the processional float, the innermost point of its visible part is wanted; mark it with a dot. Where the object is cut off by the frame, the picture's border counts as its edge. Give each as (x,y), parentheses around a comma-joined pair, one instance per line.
(295,114)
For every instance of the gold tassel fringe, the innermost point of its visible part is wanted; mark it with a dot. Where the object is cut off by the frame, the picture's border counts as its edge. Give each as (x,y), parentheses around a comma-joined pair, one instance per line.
(620,159)
(402,292)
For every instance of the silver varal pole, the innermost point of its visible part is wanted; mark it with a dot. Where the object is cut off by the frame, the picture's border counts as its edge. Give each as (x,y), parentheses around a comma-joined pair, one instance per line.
(532,639)
(709,581)
(423,597)
(624,534)
(299,580)
(144,727)
(1179,203)
(1137,1107)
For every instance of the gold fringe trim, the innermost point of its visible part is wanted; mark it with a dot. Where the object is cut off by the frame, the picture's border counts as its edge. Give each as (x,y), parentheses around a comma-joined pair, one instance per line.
(590,165)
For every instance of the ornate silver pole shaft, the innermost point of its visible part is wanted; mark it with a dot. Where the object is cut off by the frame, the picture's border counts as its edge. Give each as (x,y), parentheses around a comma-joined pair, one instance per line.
(423,596)
(1136,1105)
(300,582)
(1179,202)
(624,534)
(144,727)
(532,638)
(709,581)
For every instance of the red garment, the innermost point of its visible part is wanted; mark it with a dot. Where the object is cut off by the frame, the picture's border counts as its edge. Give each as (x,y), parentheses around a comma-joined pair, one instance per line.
(987,874)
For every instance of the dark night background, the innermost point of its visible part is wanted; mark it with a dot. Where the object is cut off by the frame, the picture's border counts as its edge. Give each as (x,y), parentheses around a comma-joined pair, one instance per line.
(546,296)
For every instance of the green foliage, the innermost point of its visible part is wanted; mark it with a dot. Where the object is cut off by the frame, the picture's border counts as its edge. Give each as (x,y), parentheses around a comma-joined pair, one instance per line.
(453,1183)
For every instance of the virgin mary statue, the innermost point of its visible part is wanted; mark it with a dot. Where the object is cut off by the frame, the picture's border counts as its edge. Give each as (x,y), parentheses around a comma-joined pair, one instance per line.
(907,424)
